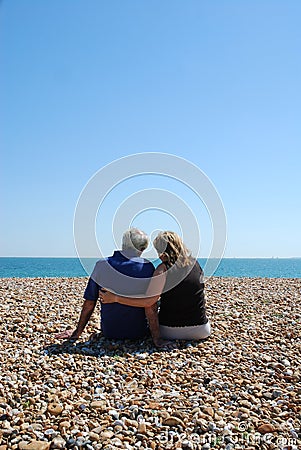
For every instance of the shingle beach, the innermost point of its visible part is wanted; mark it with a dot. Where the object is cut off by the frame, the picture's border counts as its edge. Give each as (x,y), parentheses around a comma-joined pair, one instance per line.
(240,389)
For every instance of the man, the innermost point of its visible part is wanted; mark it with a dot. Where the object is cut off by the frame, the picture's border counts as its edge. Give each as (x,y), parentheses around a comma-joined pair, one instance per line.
(124,273)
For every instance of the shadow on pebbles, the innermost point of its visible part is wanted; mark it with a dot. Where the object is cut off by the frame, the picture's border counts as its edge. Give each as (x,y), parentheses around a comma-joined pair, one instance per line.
(238,389)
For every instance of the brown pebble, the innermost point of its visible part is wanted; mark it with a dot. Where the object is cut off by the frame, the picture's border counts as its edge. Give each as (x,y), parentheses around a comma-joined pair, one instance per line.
(173,421)
(164,414)
(265,428)
(64,424)
(93,436)
(55,409)
(98,404)
(34,445)
(131,423)
(154,405)
(141,427)
(209,411)
(106,435)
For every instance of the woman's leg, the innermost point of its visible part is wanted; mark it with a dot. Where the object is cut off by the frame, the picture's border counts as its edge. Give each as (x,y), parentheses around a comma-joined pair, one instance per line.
(186,333)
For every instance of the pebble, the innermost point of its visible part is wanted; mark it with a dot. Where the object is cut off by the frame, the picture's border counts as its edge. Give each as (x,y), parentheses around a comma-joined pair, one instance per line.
(294,434)
(64,425)
(276,393)
(58,442)
(265,428)
(141,427)
(70,443)
(34,445)
(209,411)
(106,435)
(93,436)
(173,422)
(114,413)
(55,409)
(98,404)
(105,394)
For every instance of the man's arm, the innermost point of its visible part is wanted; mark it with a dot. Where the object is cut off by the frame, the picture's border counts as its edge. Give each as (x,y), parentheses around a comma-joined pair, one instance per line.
(86,313)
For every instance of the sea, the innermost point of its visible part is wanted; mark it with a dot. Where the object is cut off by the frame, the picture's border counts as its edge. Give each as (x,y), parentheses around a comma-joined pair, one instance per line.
(228,267)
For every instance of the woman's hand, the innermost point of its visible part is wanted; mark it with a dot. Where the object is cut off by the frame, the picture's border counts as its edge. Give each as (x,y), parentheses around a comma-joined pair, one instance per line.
(164,344)
(107,296)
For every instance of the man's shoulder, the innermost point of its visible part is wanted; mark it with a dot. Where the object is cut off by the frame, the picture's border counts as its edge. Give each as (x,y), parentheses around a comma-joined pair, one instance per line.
(148,267)
(99,267)
(147,262)
(131,265)
(143,265)
(101,262)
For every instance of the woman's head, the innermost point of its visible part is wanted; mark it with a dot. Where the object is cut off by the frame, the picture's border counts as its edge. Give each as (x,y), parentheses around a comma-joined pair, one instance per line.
(171,249)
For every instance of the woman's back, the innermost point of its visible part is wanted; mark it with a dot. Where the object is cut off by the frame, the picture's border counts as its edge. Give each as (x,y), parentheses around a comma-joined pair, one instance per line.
(183,304)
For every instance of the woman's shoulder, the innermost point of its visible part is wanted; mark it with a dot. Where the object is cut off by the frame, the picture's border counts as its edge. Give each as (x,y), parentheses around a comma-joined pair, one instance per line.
(196,264)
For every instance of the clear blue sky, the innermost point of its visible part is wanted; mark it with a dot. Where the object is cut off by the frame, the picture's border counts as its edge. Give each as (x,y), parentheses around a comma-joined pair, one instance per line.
(86,82)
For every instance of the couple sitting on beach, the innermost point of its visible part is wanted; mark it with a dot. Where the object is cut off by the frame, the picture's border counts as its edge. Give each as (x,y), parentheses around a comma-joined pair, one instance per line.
(137,299)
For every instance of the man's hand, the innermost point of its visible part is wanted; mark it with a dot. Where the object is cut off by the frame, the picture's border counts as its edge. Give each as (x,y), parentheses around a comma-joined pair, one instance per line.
(86,312)
(107,296)
(72,335)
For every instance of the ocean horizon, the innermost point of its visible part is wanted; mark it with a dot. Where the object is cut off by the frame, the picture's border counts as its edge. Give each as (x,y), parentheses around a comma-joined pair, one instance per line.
(44,267)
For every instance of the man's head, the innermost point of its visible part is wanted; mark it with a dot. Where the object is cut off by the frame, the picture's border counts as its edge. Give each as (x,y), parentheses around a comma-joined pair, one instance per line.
(134,240)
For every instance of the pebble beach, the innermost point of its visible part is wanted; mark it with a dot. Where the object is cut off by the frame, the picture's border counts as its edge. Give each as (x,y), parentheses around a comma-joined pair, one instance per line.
(239,389)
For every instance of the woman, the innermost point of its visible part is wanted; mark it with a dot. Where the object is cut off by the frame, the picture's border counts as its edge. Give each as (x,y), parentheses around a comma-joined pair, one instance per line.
(178,282)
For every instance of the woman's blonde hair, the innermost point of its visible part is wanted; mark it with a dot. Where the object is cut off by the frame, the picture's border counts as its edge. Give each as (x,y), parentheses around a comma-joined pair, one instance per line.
(169,245)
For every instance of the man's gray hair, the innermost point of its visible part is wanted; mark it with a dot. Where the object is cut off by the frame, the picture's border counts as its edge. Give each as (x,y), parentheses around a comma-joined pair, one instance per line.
(134,239)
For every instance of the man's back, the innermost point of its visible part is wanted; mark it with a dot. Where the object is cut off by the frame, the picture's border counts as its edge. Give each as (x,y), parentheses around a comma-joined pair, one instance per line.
(127,275)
